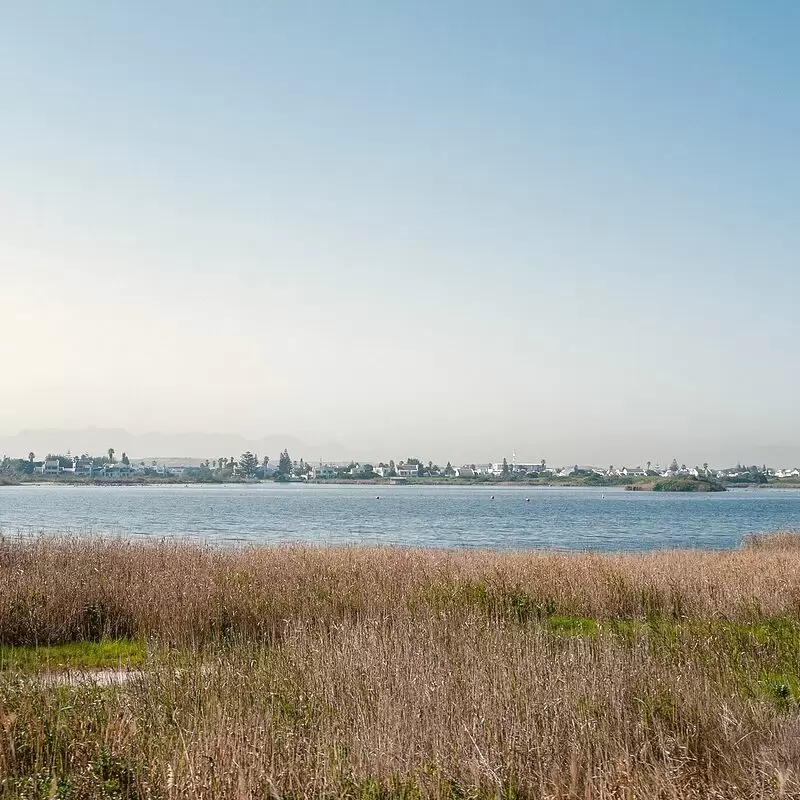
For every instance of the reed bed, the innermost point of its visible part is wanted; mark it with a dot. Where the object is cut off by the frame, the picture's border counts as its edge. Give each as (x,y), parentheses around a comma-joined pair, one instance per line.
(376,673)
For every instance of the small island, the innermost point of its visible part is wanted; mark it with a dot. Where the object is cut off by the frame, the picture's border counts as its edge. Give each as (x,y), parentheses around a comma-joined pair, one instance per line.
(678,484)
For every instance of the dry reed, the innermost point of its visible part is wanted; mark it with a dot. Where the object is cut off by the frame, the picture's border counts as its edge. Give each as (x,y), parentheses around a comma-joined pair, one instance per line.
(367,673)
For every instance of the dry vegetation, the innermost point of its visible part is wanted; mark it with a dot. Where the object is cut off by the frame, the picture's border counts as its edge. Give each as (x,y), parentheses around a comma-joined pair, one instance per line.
(370,673)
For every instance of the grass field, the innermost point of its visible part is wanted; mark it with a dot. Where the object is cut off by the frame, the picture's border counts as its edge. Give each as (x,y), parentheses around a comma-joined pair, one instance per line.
(377,673)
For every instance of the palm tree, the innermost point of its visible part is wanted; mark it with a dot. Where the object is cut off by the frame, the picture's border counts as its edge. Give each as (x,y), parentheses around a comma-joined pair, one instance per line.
(111,452)
(31,456)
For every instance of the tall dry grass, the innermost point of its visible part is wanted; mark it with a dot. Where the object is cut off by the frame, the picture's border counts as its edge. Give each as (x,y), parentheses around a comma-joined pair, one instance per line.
(70,589)
(367,673)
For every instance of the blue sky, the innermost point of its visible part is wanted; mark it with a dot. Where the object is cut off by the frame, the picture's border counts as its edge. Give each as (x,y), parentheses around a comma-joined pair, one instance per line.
(457,228)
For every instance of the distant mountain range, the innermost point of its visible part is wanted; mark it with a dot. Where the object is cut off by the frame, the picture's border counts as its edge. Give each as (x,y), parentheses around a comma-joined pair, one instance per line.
(171,446)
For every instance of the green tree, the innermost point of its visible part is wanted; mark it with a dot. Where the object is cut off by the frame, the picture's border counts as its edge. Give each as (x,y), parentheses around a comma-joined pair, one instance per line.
(31,456)
(285,463)
(111,452)
(674,465)
(505,468)
(248,463)
(392,470)
(125,460)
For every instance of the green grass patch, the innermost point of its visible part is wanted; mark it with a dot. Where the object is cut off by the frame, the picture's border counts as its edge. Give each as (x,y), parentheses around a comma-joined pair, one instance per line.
(779,633)
(687,484)
(761,659)
(577,626)
(507,602)
(106,654)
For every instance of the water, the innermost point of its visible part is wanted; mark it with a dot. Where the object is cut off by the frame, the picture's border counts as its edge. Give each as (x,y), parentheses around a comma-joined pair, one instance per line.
(433,516)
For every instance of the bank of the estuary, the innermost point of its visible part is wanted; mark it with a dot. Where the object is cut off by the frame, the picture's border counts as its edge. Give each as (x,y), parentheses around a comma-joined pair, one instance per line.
(378,673)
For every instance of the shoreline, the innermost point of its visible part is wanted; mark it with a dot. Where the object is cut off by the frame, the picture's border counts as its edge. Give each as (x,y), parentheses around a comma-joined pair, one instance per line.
(640,486)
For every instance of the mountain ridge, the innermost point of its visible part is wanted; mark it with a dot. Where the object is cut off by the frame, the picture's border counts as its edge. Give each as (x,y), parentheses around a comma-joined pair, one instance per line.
(97,441)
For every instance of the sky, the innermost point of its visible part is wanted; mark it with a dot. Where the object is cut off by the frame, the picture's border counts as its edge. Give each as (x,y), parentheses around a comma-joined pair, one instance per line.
(449,230)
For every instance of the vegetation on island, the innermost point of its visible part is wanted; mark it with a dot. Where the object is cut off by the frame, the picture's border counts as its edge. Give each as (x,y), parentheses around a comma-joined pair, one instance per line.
(678,484)
(381,673)
(687,484)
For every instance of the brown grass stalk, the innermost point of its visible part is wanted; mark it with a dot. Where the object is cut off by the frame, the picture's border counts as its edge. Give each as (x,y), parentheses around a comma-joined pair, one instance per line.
(369,673)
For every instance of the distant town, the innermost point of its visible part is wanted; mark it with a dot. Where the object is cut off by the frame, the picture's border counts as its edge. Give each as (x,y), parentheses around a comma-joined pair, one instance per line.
(250,467)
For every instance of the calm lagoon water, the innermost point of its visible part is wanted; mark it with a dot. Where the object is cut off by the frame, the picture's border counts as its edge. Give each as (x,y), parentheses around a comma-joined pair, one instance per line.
(431,516)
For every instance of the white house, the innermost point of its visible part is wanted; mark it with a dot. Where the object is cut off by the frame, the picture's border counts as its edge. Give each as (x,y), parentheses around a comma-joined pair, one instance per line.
(528,468)
(51,466)
(464,472)
(323,471)
(84,467)
(118,470)
(407,470)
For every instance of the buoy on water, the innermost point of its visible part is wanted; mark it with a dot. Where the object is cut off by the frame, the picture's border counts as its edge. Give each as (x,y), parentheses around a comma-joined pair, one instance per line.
(492,497)
(527,499)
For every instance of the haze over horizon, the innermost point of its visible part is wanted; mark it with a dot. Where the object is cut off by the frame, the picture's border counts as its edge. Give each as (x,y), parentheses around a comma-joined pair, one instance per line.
(448,231)
(210,445)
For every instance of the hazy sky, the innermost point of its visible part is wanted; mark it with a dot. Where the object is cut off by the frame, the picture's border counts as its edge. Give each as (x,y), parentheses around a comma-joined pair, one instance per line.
(440,229)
